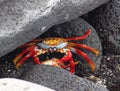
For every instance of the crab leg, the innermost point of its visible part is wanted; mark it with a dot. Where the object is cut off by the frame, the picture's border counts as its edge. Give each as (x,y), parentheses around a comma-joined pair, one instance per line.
(31,43)
(67,66)
(26,45)
(23,53)
(80,37)
(83,46)
(23,60)
(84,55)
(31,54)
(67,57)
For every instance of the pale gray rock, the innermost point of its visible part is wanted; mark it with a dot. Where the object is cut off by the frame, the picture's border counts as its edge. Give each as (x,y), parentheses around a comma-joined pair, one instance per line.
(23,20)
(11,84)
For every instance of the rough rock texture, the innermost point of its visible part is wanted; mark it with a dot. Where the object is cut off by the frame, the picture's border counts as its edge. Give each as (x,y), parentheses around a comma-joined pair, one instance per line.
(110,71)
(23,20)
(11,84)
(106,21)
(76,27)
(60,79)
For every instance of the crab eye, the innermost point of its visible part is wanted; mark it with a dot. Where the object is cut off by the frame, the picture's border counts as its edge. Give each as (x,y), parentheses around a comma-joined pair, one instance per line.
(54,49)
(50,49)
(62,45)
(42,45)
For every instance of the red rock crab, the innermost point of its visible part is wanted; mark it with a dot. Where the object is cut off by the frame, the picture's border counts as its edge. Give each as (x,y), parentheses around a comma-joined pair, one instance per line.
(62,45)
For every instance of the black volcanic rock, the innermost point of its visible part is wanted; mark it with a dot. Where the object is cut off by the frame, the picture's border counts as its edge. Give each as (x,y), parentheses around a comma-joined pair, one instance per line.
(106,20)
(110,71)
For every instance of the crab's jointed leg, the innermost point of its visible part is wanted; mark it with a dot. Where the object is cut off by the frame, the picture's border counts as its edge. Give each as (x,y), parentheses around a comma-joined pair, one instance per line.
(31,43)
(84,55)
(31,53)
(68,65)
(80,37)
(35,58)
(22,54)
(23,60)
(83,46)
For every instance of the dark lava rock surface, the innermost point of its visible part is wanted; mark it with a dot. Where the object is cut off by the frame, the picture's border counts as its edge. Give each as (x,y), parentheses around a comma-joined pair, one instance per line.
(110,71)
(59,79)
(106,20)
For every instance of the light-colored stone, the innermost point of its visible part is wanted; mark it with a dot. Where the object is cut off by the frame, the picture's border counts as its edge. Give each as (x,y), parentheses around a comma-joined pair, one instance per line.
(11,84)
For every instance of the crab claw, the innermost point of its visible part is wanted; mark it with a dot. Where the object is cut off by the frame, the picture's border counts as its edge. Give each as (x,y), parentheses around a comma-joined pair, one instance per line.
(84,55)
(58,63)
(54,62)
